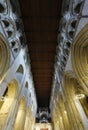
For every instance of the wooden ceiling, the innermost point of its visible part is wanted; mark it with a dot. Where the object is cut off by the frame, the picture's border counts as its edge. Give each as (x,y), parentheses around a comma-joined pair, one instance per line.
(41,23)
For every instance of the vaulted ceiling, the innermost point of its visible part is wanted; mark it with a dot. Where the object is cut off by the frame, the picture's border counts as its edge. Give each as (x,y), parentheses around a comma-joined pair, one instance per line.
(41,22)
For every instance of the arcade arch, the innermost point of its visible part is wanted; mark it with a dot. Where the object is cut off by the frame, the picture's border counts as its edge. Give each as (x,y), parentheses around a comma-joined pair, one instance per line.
(7,100)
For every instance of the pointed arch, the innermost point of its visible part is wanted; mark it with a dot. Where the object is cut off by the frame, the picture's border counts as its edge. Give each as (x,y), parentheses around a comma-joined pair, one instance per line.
(80,57)
(4,56)
(70,88)
(26,85)
(20,69)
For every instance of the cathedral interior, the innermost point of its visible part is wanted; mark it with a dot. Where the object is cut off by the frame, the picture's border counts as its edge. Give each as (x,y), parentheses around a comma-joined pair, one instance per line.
(43,78)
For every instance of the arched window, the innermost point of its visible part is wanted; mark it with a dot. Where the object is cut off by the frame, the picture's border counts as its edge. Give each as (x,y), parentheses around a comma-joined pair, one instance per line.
(2,8)
(20,69)
(26,85)
(20,73)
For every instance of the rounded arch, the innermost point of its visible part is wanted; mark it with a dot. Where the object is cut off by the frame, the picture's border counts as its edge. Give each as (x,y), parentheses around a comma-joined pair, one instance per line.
(80,57)
(12,89)
(4,56)
(6,102)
